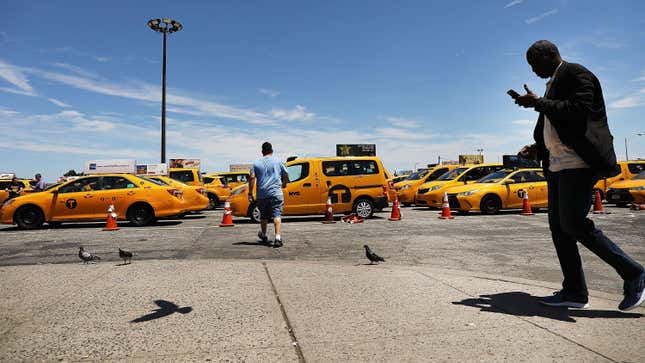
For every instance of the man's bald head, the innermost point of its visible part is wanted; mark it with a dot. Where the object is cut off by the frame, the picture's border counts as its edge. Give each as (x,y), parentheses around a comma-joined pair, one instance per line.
(544,58)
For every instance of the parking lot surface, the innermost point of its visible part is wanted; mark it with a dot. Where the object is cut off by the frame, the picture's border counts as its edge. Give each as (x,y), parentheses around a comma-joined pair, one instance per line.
(507,244)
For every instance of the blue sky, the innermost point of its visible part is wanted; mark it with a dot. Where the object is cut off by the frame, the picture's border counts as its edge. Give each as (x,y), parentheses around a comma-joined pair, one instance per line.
(81,80)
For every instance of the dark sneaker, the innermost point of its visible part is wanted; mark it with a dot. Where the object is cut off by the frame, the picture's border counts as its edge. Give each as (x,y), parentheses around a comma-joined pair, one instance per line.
(277,243)
(634,296)
(561,298)
(263,239)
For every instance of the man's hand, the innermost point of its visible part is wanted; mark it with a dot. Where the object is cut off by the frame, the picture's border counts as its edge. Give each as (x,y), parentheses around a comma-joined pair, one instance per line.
(250,198)
(528,152)
(529,100)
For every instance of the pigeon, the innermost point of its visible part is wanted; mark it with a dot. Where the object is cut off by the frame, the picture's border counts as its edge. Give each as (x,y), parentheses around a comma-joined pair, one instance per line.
(373,257)
(125,255)
(86,256)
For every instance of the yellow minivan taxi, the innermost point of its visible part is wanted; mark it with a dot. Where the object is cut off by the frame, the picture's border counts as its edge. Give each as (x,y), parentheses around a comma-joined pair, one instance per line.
(408,187)
(5,185)
(353,184)
(188,176)
(217,190)
(194,197)
(87,199)
(628,170)
(628,191)
(502,189)
(431,194)
(234,178)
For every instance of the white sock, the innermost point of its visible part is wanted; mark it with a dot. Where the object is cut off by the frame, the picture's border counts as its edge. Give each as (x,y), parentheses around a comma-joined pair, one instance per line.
(278,238)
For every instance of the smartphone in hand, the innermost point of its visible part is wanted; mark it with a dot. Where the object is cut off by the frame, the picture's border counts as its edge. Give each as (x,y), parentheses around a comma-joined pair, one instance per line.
(513,93)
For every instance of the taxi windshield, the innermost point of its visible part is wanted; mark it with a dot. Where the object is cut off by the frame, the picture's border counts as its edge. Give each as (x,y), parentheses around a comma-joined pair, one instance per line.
(452,174)
(495,177)
(154,181)
(418,175)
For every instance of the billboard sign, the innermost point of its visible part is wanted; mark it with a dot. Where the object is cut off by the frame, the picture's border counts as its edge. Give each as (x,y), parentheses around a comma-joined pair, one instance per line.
(127,166)
(471,159)
(7,175)
(185,163)
(516,161)
(152,169)
(240,167)
(355,149)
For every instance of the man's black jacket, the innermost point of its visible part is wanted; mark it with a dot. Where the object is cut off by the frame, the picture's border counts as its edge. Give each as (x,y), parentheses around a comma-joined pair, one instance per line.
(576,109)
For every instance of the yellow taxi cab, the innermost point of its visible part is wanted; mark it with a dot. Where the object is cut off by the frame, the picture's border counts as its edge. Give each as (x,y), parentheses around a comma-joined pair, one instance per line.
(189,176)
(431,194)
(233,178)
(628,170)
(217,189)
(87,199)
(400,178)
(628,191)
(5,186)
(503,189)
(408,187)
(353,184)
(194,197)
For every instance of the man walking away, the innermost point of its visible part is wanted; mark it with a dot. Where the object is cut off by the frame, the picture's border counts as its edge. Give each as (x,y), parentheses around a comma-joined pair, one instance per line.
(39,185)
(269,176)
(576,149)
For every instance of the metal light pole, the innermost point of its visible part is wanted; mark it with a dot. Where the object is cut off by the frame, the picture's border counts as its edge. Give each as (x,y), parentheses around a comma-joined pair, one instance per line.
(626,154)
(165,26)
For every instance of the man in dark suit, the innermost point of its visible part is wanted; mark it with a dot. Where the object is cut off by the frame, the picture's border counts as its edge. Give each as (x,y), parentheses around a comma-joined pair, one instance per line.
(576,149)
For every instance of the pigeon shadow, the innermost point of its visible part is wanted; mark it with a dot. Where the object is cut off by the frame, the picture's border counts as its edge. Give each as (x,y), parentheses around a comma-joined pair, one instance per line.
(165,308)
(523,304)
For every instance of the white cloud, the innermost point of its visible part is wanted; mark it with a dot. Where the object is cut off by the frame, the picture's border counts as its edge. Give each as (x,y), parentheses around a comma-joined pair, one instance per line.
(513,3)
(102,59)
(75,69)
(299,113)
(7,112)
(402,122)
(58,102)
(523,122)
(17,78)
(636,100)
(269,92)
(541,16)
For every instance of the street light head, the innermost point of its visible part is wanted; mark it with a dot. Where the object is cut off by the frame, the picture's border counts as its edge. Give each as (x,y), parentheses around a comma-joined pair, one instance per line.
(176,26)
(167,20)
(154,24)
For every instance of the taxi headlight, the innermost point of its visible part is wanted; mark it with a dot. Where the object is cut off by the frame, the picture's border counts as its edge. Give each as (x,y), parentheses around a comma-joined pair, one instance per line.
(407,186)
(435,188)
(238,191)
(638,188)
(468,193)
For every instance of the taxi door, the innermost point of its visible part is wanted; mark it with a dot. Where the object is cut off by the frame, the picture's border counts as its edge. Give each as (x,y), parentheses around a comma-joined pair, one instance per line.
(75,200)
(302,194)
(368,179)
(338,184)
(541,198)
(118,191)
(523,183)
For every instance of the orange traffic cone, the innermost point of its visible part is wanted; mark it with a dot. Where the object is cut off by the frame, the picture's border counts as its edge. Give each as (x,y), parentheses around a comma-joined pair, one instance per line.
(597,205)
(352,219)
(227,218)
(636,206)
(110,225)
(329,213)
(526,205)
(396,209)
(445,208)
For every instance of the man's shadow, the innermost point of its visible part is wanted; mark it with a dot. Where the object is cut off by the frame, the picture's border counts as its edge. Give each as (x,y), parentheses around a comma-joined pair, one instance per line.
(523,304)
(165,308)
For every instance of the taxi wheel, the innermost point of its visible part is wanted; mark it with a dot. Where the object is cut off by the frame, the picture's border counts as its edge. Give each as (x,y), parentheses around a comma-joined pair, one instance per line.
(490,204)
(254,213)
(364,208)
(29,217)
(213,201)
(140,214)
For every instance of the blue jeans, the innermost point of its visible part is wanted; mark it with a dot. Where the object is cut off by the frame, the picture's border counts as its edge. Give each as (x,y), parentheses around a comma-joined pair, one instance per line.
(569,203)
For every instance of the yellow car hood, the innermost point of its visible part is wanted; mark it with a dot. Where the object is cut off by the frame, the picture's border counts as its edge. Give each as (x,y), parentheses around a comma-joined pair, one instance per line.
(402,183)
(431,184)
(469,187)
(628,184)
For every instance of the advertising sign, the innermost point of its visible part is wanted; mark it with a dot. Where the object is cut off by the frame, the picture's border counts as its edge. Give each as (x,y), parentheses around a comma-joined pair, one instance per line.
(516,161)
(185,163)
(7,175)
(355,149)
(240,167)
(152,169)
(471,159)
(127,166)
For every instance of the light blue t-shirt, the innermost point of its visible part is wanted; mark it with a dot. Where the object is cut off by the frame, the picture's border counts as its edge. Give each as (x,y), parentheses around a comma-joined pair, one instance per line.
(268,172)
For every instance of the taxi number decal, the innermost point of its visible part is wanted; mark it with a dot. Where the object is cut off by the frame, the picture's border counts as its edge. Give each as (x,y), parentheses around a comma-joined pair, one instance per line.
(71,203)
(340,192)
